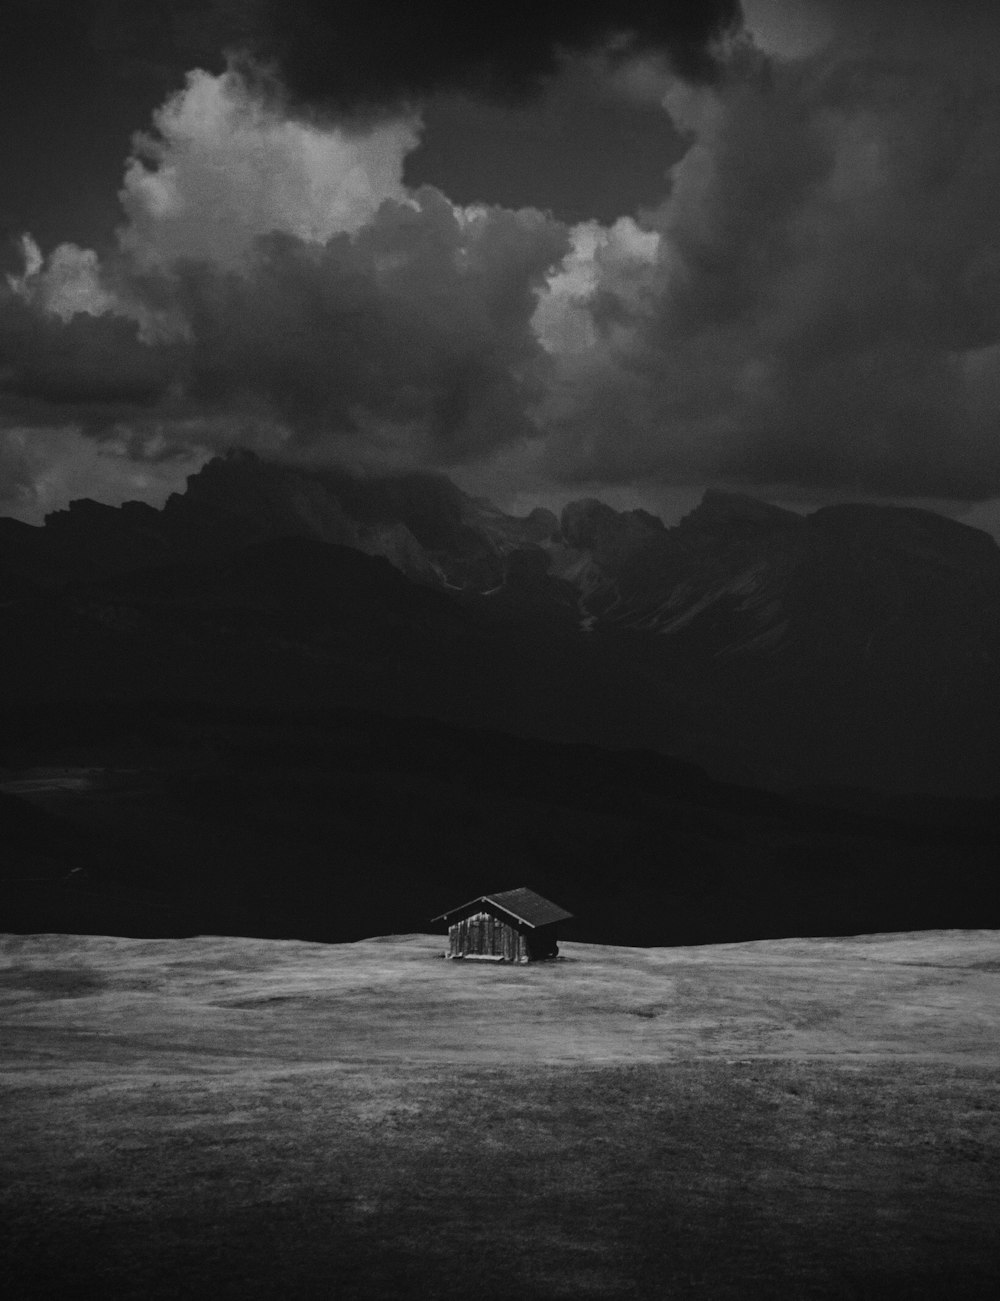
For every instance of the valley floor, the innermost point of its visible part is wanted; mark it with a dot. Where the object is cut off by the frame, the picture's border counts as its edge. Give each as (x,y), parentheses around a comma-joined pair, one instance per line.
(226,1117)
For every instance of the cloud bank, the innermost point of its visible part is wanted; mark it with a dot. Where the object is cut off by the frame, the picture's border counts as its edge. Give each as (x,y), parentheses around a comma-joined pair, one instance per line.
(812,309)
(821,313)
(276,285)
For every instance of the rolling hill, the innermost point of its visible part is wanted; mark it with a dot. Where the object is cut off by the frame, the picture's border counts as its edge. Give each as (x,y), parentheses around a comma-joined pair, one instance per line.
(225,1118)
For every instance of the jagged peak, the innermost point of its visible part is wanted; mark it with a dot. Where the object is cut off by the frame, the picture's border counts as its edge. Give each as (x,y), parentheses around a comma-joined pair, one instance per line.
(721,507)
(587,522)
(541,523)
(233,476)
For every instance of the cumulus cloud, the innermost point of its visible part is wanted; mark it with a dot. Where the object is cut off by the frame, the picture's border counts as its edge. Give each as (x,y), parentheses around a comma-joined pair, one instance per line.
(812,308)
(274,276)
(788,29)
(605,268)
(416,331)
(225,165)
(66,283)
(824,305)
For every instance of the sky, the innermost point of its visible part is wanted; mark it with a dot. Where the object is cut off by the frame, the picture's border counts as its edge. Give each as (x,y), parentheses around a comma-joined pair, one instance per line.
(626,250)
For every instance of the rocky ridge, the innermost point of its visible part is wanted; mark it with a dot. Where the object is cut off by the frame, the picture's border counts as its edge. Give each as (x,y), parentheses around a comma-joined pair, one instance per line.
(859,644)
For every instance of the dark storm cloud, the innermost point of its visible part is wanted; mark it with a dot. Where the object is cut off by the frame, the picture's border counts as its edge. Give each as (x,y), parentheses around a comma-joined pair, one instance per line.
(349,53)
(824,309)
(811,302)
(421,321)
(343,53)
(78,77)
(92,369)
(356,53)
(415,331)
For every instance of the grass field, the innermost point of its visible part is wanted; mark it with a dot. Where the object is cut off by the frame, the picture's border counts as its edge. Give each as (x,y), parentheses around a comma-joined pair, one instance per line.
(243,1118)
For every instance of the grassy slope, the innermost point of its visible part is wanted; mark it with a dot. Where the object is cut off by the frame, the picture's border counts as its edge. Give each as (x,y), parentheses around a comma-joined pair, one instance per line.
(225,1117)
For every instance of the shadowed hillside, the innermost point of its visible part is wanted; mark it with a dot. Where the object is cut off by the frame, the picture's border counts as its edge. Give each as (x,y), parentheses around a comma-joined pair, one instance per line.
(160,820)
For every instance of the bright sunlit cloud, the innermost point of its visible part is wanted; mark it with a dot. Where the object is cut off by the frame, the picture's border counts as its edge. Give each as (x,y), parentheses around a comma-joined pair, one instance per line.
(788,29)
(225,166)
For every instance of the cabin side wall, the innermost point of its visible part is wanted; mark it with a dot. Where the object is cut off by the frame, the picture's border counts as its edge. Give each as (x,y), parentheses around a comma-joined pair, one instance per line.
(484,936)
(543,943)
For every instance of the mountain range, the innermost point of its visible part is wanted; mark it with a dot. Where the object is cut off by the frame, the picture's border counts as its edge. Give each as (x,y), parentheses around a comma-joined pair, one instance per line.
(857,646)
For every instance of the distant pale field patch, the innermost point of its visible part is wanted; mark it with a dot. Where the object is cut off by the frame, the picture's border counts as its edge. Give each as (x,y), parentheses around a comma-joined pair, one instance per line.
(227,1117)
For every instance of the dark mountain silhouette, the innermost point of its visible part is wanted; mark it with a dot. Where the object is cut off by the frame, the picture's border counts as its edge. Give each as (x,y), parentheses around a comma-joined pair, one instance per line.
(857,646)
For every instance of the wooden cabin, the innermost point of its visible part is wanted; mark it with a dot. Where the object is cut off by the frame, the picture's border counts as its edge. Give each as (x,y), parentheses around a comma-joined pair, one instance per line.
(512,926)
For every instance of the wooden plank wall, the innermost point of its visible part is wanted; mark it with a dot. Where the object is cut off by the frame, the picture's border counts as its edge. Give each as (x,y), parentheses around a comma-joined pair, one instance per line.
(484,935)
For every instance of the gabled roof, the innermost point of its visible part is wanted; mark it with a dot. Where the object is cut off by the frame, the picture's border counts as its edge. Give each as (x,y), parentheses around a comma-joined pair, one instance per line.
(522,904)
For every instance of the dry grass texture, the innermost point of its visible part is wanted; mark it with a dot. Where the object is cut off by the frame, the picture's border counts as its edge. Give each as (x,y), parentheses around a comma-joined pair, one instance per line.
(242,1118)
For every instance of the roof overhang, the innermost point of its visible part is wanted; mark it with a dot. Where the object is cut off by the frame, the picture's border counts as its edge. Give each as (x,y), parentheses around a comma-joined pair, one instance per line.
(493,902)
